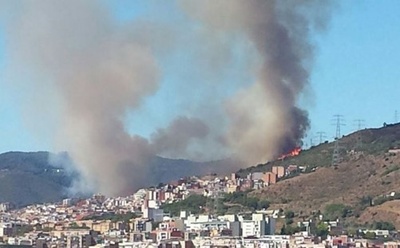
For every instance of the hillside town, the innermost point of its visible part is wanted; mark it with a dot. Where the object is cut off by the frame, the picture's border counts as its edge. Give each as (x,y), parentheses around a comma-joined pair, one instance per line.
(142,220)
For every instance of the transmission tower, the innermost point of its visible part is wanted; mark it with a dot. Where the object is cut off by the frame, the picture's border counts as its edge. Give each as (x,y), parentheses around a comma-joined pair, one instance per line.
(360,124)
(396,120)
(339,122)
(214,200)
(321,136)
(311,142)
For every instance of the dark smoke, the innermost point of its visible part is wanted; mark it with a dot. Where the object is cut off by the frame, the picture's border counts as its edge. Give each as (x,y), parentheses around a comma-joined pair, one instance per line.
(264,118)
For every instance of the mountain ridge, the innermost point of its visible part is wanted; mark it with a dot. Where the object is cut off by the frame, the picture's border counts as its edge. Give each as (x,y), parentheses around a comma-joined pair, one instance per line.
(34,177)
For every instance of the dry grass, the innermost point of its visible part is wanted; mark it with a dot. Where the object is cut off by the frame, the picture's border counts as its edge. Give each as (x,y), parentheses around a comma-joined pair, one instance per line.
(347,184)
(388,211)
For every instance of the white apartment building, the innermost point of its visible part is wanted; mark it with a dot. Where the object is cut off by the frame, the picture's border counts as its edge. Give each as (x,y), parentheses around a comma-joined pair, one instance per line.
(258,226)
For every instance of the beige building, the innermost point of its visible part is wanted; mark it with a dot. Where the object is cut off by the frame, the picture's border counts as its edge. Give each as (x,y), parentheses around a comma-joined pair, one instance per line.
(279,171)
(231,188)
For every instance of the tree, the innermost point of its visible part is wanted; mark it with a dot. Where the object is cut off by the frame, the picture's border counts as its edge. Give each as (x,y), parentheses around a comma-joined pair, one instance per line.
(289,214)
(194,204)
(289,221)
(369,235)
(336,211)
(73,225)
(21,230)
(289,230)
(352,232)
(366,201)
(383,225)
(251,202)
(263,204)
(322,230)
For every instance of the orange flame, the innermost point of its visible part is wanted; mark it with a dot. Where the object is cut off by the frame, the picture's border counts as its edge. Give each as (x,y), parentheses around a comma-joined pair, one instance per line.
(296,151)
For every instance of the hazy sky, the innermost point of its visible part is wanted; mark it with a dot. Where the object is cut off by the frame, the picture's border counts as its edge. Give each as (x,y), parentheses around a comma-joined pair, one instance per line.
(356,73)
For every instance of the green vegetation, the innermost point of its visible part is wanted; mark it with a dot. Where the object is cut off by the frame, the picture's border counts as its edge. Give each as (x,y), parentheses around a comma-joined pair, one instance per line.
(383,225)
(322,230)
(155,224)
(289,215)
(336,211)
(195,204)
(21,230)
(229,203)
(366,201)
(382,199)
(246,201)
(290,229)
(390,170)
(369,235)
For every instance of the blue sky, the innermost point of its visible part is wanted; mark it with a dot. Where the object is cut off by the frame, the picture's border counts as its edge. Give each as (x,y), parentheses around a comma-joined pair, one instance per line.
(356,73)
(357,66)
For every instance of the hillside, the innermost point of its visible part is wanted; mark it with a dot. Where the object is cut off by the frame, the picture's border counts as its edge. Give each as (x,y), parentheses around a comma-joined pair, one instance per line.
(367,171)
(369,141)
(28,177)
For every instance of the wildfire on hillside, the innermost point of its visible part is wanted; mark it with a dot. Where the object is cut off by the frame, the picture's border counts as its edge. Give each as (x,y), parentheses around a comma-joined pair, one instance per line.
(296,151)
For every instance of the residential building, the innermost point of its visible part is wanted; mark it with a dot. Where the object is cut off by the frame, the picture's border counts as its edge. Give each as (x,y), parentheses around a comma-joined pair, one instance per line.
(279,171)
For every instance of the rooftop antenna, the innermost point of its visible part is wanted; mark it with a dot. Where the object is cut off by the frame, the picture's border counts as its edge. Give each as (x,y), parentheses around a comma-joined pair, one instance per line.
(336,150)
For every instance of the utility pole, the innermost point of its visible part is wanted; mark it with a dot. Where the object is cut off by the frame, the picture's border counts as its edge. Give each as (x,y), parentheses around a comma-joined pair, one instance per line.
(336,150)
(321,136)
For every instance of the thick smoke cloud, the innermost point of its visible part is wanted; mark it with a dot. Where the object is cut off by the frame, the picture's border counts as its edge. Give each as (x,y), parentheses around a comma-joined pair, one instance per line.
(100,69)
(264,118)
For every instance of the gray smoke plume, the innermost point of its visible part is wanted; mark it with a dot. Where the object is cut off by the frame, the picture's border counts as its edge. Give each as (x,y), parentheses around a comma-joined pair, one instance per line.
(99,70)
(264,118)
(174,140)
